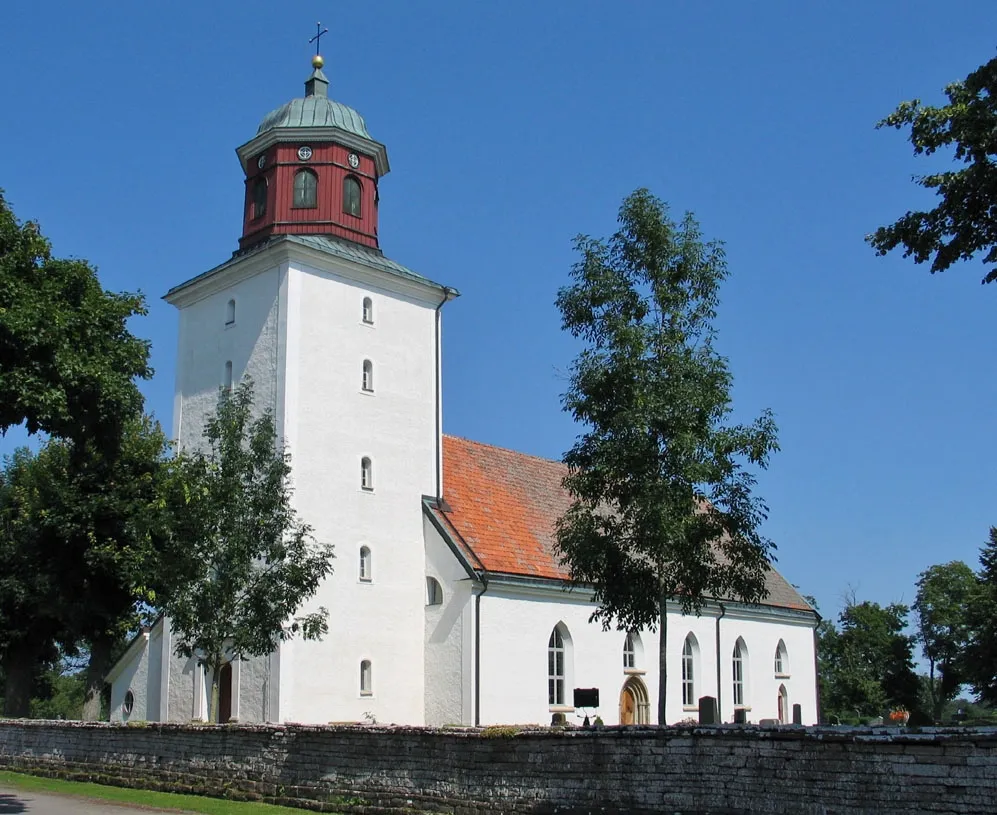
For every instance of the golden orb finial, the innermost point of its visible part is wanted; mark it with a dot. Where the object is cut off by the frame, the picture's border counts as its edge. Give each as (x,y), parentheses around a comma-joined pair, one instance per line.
(317,61)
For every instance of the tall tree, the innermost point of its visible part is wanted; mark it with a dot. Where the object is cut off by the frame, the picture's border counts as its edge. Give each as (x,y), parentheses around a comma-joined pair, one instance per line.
(662,505)
(963,223)
(866,663)
(253,563)
(981,653)
(943,594)
(68,362)
(81,545)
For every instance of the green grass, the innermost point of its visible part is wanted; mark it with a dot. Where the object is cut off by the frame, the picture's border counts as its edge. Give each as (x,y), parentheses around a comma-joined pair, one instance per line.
(145,798)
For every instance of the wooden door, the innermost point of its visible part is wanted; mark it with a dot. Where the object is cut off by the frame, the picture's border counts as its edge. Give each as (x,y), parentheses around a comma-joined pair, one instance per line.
(628,707)
(225,693)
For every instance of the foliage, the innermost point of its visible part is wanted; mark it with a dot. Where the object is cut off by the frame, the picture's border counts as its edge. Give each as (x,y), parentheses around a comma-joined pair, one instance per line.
(866,663)
(943,595)
(67,359)
(981,652)
(662,505)
(60,696)
(251,563)
(82,538)
(963,223)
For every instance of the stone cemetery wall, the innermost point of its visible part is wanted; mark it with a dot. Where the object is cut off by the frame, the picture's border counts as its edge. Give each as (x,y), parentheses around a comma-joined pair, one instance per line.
(723,769)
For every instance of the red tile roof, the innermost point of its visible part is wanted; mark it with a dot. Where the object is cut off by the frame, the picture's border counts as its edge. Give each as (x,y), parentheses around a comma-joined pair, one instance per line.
(501,507)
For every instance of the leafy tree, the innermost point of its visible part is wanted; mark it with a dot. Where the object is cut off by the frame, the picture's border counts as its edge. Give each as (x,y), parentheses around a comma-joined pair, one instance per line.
(253,563)
(82,541)
(67,359)
(963,222)
(866,663)
(943,593)
(981,653)
(662,506)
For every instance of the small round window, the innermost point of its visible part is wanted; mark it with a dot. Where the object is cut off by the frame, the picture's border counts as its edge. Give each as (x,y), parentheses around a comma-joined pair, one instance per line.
(129,704)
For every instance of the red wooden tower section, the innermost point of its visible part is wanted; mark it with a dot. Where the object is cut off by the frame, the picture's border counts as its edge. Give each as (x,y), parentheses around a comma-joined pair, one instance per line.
(312,169)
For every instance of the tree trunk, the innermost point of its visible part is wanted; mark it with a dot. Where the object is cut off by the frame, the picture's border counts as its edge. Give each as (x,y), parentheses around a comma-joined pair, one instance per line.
(97,668)
(662,658)
(936,704)
(19,666)
(215,669)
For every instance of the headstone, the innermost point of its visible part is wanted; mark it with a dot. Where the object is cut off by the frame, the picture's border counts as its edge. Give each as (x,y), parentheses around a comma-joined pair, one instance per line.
(797,714)
(740,716)
(558,720)
(708,711)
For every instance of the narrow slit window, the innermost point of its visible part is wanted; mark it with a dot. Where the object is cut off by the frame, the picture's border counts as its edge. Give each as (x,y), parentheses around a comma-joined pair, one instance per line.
(351,196)
(555,668)
(368,311)
(781,663)
(366,474)
(368,376)
(738,674)
(366,575)
(305,190)
(230,312)
(434,592)
(366,679)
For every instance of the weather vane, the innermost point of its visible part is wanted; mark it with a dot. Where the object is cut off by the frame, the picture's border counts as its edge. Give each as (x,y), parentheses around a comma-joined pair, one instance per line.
(318,36)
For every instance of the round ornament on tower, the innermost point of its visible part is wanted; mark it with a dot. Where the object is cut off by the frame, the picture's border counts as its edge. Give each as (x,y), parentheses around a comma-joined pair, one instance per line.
(304,153)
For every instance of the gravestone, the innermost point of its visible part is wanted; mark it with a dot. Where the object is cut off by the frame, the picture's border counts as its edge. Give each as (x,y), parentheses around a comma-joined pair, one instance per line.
(708,711)
(740,716)
(797,714)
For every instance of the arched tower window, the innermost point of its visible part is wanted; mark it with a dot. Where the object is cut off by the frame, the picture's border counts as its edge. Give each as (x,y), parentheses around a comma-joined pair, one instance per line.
(781,659)
(366,573)
(434,592)
(305,189)
(259,198)
(690,650)
(366,474)
(740,657)
(230,312)
(628,651)
(558,664)
(368,311)
(367,380)
(366,679)
(351,196)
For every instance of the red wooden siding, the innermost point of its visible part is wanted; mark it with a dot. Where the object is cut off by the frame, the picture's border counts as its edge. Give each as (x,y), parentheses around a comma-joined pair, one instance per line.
(329,162)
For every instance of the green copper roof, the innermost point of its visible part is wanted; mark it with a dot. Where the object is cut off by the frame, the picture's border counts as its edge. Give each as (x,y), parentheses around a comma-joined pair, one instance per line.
(316,109)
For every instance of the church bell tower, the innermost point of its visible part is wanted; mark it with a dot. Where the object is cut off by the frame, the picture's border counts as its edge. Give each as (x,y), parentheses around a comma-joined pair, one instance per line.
(312,169)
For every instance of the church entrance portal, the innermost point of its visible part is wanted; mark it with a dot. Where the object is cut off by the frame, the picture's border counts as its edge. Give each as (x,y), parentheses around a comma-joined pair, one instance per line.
(634,707)
(225,693)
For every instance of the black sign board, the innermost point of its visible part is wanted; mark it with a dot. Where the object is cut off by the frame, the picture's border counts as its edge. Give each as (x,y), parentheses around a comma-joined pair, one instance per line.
(586,697)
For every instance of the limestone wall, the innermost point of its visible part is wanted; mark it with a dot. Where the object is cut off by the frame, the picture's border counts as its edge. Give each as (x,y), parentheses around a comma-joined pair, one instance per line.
(638,770)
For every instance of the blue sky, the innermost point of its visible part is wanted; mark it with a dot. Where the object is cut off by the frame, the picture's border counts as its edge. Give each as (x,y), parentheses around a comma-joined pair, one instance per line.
(512,127)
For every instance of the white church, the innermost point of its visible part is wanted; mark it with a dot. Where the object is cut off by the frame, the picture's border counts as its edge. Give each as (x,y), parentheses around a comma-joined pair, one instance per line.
(448,604)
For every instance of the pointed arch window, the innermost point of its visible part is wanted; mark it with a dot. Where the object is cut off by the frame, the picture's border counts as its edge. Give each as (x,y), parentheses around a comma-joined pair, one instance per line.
(555,668)
(689,649)
(366,573)
(738,660)
(781,659)
(367,380)
(366,474)
(305,190)
(351,195)
(259,198)
(629,659)
(366,679)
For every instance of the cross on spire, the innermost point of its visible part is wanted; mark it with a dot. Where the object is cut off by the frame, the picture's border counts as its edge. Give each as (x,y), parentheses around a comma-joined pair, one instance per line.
(318,36)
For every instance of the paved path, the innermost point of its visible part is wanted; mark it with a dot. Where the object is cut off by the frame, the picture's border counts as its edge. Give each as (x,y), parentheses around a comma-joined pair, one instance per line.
(39,803)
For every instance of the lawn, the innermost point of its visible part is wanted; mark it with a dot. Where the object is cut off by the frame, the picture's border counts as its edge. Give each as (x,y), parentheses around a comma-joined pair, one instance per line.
(145,798)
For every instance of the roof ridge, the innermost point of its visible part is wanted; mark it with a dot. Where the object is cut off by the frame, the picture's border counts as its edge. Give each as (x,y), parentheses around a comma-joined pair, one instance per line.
(504,449)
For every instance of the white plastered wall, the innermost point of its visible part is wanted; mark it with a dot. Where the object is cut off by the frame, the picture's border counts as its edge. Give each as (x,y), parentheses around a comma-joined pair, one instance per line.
(132,676)
(516,625)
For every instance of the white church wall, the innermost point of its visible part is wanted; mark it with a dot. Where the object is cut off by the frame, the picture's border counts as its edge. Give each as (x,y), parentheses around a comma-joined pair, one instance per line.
(132,675)
(155,674)
(330,423)
(181,706)
(516,627)
(761,634)
(249,698)
(250,343)
(448,636)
